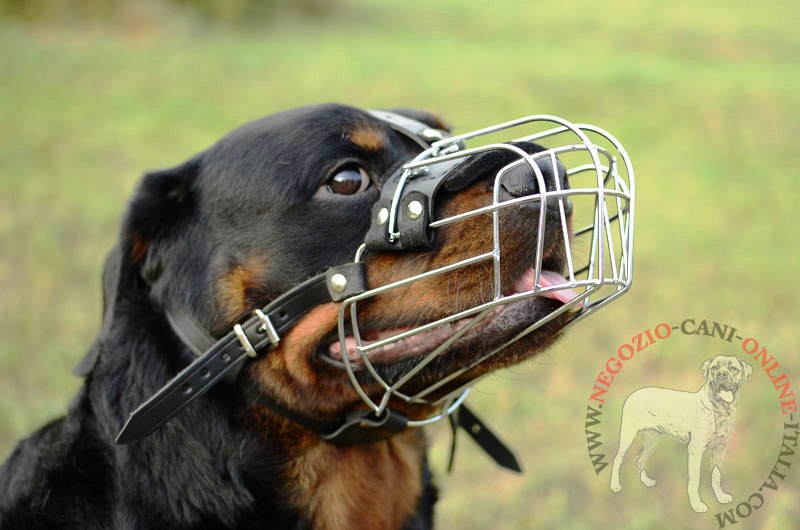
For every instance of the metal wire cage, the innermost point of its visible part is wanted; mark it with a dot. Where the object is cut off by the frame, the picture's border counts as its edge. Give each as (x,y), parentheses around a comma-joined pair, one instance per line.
(599,255)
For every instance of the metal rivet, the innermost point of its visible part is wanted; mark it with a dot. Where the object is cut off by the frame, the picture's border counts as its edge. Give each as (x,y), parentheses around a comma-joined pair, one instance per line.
(432,135)
(476,429)
(383,216)
(338,283)
(414,209)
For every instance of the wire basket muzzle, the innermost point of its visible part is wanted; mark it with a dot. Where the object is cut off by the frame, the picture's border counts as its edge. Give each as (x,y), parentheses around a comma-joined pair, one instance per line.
(575,194)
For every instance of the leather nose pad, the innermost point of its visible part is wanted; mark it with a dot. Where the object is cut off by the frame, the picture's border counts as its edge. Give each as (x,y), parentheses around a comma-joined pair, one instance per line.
(521,180)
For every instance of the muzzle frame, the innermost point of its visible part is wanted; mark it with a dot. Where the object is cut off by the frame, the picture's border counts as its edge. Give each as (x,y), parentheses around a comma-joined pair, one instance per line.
(605,276)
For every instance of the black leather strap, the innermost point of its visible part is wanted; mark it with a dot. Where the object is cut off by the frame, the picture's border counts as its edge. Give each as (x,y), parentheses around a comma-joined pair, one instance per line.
(367,427)
(484,437)
(357,428)
(190,332)
(191,383)
(414,232)
(227,354)
(420,133)
(253,394)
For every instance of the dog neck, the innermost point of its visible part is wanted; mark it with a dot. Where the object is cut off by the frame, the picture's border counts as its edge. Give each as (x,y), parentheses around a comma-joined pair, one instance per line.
(366,486)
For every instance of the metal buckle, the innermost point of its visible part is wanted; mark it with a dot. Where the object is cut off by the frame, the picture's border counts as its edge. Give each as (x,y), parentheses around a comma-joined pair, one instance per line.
(268,328)
(244,341)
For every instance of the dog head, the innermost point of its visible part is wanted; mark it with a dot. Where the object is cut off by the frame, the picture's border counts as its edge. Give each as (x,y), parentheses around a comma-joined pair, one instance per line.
(286,197)
(724,376)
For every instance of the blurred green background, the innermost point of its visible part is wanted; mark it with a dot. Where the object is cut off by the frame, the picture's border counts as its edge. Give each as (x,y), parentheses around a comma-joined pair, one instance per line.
(704,95)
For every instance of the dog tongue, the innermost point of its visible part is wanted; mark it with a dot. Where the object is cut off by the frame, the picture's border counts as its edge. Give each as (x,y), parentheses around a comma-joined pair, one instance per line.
(547,279)
(726,395)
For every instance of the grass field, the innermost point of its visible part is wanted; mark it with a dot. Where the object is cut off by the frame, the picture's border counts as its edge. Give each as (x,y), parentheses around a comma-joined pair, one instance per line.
(705,96)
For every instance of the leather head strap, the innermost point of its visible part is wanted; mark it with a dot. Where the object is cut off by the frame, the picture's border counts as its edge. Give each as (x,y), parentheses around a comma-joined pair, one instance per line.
(259,333)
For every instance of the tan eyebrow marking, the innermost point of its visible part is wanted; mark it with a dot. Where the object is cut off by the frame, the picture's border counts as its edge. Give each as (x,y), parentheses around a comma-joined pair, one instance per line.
(366,136)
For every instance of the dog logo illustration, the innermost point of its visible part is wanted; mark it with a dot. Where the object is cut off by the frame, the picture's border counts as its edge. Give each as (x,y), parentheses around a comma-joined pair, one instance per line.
(701,420)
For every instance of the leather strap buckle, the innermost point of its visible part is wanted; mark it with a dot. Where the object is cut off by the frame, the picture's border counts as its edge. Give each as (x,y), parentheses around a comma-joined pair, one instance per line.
(244,341)
(268,328)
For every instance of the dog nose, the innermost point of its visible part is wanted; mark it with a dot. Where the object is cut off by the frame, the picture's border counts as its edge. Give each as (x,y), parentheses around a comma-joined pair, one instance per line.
(521,180)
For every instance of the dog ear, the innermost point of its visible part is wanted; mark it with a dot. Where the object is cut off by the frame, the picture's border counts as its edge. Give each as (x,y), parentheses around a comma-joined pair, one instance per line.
(706,367)
(747,370)
(163,202)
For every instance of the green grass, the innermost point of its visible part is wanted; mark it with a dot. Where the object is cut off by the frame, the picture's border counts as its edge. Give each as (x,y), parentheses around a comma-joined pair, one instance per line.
(705,98)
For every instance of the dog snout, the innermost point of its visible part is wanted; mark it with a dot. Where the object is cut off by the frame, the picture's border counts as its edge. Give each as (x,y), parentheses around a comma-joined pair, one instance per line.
(724,377)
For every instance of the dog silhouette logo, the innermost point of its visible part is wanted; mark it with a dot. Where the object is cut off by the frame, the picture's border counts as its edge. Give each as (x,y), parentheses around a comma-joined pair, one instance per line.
(703,420)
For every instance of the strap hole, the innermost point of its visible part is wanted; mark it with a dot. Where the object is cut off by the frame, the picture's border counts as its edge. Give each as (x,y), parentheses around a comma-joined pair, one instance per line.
(225,356)
(187,388)
(205,373)
(282,314)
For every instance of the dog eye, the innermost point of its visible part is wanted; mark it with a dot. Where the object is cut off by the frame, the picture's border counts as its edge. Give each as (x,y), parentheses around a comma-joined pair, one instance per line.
(347,181)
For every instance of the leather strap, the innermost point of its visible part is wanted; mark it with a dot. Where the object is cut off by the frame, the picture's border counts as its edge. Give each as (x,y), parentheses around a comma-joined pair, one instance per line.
(413,230)
(227,354)
(420,133)
(484,437)
(190,332)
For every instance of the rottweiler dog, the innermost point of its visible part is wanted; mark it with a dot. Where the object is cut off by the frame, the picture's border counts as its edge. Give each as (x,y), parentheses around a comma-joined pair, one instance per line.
(271,204)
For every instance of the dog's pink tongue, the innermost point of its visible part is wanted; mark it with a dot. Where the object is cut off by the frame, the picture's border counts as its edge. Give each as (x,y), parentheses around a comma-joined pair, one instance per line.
(547,279)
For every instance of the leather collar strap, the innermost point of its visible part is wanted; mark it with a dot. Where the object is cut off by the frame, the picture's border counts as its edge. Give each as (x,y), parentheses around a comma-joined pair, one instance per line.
(482,435)
(357,428)
(420,133)
(258,333)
